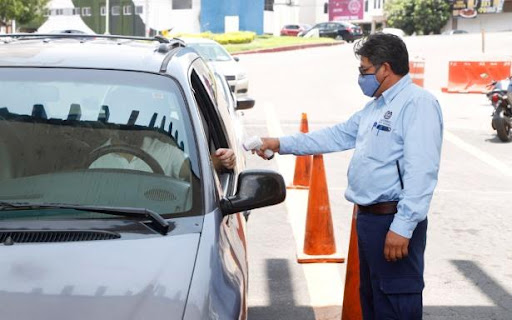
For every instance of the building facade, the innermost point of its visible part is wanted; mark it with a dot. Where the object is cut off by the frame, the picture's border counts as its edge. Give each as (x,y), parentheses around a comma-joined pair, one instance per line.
(148,17)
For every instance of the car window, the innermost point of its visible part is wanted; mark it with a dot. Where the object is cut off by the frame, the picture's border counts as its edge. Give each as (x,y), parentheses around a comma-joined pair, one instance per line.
(214,126)
(211,51)
(97,137)
(292,26)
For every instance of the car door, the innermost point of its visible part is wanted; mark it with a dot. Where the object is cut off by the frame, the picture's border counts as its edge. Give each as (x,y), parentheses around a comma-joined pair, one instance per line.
(232,229)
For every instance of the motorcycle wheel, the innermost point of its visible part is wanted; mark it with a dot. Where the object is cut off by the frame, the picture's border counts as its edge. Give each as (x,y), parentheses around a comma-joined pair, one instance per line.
(502,124)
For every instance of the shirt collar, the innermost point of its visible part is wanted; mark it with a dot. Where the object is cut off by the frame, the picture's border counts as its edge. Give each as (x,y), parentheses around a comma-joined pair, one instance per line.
(391,93)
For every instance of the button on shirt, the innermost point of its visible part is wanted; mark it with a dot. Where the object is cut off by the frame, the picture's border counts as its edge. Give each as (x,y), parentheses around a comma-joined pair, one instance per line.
(404,124)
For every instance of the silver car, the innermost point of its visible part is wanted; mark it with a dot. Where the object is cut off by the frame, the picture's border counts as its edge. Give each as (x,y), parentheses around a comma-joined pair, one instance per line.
(110,206)
(224,62)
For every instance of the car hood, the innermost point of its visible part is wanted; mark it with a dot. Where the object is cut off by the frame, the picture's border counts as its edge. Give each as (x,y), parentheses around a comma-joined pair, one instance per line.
(111,279)
(228,68)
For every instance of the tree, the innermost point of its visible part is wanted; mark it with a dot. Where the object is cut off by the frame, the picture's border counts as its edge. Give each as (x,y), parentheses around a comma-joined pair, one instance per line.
(23,11)
(420,16)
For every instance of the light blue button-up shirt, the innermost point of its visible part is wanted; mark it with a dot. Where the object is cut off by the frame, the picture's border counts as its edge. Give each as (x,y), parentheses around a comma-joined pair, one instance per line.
(404,124)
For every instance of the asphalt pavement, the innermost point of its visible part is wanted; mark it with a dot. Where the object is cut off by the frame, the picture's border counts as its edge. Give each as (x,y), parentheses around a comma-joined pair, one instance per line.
(468,259)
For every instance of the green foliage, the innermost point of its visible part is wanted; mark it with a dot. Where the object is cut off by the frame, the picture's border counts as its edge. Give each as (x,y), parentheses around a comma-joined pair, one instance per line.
(224,38)
(23,11)
(420,16)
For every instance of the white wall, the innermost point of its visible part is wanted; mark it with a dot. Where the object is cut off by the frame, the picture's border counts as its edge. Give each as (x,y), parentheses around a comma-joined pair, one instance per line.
(284,14)
(489,22)
(268,22)
(162,17)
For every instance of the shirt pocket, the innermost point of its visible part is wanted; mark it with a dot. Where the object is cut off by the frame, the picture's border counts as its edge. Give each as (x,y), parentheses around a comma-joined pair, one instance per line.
(380,145)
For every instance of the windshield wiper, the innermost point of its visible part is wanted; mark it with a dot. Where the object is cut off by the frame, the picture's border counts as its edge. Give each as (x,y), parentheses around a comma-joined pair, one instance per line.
(157,222)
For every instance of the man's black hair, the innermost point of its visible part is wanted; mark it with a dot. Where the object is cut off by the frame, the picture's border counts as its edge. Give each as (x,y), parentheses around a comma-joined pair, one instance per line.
(382,47)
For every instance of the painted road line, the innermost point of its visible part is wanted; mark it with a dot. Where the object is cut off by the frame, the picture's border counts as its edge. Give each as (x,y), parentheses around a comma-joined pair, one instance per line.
(479,154)
(324,281)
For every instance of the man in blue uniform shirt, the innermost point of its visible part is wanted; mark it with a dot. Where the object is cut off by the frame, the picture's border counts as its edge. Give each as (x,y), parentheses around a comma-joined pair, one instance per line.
(392,175)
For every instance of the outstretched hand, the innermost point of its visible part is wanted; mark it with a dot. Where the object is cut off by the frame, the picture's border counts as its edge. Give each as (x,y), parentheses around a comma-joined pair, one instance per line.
(267,143)
(396,247)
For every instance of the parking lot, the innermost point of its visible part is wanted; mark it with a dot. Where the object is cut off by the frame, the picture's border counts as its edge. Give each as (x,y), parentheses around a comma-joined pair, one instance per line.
(468,258)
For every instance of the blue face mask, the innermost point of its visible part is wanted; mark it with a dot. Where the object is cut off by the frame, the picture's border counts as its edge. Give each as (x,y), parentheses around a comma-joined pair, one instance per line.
(369,84)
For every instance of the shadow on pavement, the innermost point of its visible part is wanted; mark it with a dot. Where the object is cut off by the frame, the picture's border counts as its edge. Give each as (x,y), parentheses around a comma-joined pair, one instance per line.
(280,290)
(488,286)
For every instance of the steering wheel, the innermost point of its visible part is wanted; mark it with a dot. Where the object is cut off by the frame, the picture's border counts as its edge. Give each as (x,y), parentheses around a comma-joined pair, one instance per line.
(116,148)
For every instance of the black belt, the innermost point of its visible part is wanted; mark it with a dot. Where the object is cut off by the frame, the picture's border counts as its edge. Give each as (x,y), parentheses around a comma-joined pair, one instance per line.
(379,208)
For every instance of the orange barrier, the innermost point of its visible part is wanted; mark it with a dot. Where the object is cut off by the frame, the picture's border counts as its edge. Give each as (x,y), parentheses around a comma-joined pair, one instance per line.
(475,76)
(302,163)
(319,245)
(351,300)
(417,72)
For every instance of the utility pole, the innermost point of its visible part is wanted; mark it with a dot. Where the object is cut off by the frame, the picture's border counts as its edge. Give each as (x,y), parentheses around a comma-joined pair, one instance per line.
(107,17)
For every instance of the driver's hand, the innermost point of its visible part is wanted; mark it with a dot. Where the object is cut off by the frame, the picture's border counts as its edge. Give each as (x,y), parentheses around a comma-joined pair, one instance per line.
(226,157)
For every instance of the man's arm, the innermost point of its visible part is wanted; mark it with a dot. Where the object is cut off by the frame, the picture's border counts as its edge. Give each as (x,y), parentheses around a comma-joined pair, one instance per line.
(336,138)
(423,135)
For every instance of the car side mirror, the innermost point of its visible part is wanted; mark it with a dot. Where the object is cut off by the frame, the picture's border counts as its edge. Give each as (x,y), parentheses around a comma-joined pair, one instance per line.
(236,59)
(255,189)
(245,103)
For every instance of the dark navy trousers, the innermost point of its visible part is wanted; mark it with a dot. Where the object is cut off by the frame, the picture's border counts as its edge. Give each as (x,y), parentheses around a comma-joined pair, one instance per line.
(389,290)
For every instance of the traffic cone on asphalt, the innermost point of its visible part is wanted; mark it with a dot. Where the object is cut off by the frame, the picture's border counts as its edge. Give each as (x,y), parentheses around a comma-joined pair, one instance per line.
(319,244)
(351,301)
(302,163)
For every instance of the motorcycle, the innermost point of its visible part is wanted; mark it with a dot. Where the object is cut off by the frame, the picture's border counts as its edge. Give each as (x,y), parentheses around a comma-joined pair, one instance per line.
(501,99)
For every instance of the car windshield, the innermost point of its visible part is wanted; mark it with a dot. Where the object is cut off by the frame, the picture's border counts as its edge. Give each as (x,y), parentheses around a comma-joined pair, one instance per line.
(97,138)
(211,51)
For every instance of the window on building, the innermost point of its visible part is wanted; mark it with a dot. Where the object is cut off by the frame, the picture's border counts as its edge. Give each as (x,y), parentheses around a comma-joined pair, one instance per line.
(379,4)
(139,9)
(76,11)
(326,7)
(181,4)
(47,13)
(116,10)
(59,12)
(103,11)
(374,4)
(269,5)
(127,10)
(86,11)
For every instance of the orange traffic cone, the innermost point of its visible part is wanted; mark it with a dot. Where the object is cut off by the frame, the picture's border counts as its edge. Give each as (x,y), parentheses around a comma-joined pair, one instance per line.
(302,163)
(351,301)
(319,245)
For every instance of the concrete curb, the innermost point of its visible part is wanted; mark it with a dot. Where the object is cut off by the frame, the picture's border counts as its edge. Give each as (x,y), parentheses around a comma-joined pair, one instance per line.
(292,47)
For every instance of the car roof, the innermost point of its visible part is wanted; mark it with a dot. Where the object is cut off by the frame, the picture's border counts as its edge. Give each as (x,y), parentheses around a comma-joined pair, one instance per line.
(198,40)
(78,51)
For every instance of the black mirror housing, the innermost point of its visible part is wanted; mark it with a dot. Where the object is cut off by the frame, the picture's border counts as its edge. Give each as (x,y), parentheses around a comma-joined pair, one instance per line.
(236,58)
(245,103)
(255,189)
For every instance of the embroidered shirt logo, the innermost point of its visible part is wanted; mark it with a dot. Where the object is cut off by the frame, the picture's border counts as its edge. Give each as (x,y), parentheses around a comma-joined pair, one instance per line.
(388,115)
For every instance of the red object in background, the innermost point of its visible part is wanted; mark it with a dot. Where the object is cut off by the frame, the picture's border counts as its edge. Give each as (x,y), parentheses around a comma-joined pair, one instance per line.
(346,9)
(292,30)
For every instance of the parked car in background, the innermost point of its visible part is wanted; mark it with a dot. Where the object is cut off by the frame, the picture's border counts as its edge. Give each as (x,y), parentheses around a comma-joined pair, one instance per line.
(456,31)
(395,31)
(294,29)
(225,63)
(339,30)
(110,205)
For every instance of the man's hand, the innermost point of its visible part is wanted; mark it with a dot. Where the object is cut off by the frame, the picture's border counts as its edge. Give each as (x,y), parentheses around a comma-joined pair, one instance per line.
(226,157)
(268,143)
(395,247)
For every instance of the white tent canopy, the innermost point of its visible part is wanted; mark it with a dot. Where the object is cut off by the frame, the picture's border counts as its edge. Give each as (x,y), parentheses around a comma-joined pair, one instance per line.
(56,23)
